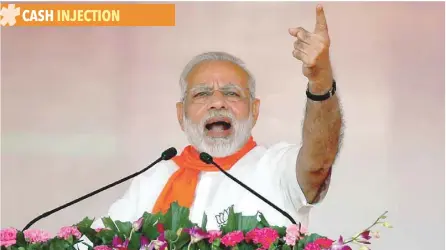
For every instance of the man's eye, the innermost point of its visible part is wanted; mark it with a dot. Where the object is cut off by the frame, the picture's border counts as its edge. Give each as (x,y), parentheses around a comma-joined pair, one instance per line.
(230,93)
(199,94)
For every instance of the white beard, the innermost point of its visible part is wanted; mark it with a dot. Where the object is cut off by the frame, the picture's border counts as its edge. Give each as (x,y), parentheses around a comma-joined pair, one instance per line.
(218,147)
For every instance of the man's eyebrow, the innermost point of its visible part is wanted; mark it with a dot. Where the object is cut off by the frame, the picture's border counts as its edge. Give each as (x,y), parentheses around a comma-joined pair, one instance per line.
(206,87)
(232,86)
(200,86)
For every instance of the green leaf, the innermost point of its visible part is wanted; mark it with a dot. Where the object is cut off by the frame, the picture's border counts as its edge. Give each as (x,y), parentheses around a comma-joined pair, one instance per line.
(216,244)
(280,230)
(85,228)
(57,244)
(124,228)
(170,235)
(35,246)
(85,223)
(274,245)
(182,241)
(263,220)
(70,239)
(204,221)
(106,236)
(232,222)
(135,241)
(203,245)
(245,246)
(246,223)
(312,237)
(300,245)
(20,239)
(177,217)
(286,247)
(149,226)
(237,221)
(307,239)
(108,223)
(193,247)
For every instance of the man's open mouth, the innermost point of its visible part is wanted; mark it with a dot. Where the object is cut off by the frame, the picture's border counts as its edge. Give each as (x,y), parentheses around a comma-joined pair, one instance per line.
(218,124)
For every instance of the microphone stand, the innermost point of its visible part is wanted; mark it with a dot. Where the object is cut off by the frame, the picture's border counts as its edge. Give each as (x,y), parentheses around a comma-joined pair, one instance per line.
(209,160)
(166,155)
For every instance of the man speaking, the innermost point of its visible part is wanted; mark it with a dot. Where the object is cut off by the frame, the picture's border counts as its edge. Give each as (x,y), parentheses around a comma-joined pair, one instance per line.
(217,111)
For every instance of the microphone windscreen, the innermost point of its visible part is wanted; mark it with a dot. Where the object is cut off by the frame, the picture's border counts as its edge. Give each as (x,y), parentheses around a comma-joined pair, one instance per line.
(169,153)
(206,158)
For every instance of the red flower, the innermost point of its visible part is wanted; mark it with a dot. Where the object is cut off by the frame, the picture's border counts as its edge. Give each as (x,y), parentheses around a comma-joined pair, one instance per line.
(264,236)
(160,228)
(232,239)
(324,242)
(366,235)
(312,246)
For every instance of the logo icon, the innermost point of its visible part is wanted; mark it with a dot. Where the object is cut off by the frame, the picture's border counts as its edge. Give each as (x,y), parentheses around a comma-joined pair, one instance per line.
(9,14)
(222,218)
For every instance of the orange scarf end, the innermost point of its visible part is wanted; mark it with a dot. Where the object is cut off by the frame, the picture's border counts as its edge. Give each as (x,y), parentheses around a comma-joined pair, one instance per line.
(182,184)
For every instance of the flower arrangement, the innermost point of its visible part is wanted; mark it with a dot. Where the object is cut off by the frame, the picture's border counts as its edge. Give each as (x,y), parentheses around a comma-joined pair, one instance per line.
(174,231)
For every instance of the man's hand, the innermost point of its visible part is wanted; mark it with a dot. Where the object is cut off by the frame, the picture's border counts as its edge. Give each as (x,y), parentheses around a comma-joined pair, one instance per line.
(313,50)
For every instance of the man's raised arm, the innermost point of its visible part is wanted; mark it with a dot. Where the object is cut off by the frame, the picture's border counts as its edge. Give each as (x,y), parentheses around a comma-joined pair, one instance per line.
(323,119)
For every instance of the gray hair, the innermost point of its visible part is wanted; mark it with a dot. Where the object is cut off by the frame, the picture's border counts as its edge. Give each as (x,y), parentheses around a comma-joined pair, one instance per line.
(215,56)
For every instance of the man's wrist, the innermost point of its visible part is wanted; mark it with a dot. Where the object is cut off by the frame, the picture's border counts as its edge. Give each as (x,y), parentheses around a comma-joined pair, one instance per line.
(322,97)
(320,87)
(322,82)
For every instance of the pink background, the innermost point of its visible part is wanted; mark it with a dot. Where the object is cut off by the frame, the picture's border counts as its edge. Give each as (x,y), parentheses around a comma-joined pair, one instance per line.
(84,106)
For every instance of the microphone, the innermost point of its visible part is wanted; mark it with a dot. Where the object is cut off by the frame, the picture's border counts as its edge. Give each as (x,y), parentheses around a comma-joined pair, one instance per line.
(166,155)
(206,158)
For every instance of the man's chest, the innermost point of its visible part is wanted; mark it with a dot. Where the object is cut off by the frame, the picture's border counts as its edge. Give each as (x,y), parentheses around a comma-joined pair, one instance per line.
(216,194)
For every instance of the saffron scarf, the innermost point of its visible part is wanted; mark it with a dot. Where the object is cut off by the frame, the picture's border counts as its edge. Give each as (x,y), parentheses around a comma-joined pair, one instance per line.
(182,184)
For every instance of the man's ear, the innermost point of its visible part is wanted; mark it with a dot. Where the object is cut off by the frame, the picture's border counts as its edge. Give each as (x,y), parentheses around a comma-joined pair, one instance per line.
(255,106)
(180,112)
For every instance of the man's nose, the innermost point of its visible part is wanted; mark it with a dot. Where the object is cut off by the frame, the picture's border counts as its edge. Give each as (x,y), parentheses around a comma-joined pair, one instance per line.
(217,101)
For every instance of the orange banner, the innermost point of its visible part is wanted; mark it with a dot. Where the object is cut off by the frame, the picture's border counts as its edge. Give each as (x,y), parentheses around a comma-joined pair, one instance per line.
(86,14)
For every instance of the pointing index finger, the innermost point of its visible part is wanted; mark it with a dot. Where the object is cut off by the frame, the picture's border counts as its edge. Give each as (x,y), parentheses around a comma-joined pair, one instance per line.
(321,21)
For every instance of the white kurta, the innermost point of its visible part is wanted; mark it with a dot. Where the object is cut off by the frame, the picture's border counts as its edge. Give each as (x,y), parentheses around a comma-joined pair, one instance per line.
(271,172)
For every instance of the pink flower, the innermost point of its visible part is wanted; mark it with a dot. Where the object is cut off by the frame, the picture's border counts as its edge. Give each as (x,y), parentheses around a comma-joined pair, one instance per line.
(366,235)
(138,224)
(214,234)
(340,245)
(312,246)
(294,233)
(196,234)
(264,236)
(102,247)
(118,243)
(290,240)
(302,229)
(159,244)
(232,239)
(66,232)
(36,235)
(8,237)
(375,235)
(144,241)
